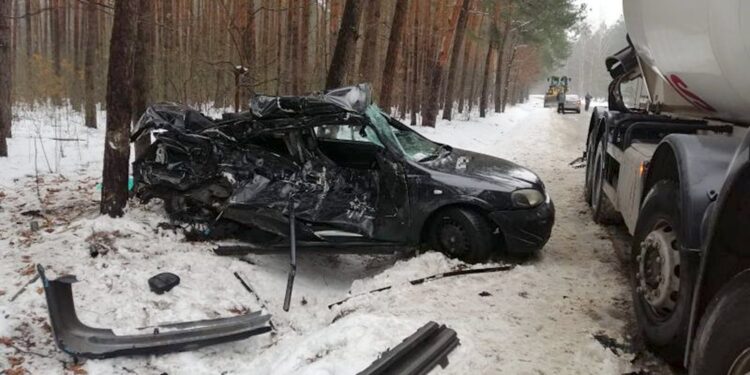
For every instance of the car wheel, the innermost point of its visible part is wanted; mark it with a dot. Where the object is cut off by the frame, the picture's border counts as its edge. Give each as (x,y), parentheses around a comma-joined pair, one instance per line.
(602,208)
(662,275)
(722,344)
(578,111)
(462,233)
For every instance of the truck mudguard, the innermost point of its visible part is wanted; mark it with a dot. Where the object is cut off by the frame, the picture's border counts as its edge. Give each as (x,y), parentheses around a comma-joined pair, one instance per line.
(725,249)
(702,162)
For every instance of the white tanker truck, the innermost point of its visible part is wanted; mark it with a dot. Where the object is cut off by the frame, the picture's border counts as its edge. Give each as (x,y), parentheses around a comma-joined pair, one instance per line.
(676,170)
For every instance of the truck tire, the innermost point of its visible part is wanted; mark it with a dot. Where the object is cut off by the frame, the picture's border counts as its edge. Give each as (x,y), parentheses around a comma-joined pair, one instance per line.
(662,276)
(603,211)
(464,234)
(589,182)
(722,344)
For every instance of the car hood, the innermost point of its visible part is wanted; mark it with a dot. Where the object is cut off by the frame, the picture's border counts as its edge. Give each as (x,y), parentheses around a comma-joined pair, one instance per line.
(486,168)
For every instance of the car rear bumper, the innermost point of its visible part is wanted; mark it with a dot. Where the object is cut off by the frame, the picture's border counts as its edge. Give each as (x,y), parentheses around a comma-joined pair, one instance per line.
(526,231)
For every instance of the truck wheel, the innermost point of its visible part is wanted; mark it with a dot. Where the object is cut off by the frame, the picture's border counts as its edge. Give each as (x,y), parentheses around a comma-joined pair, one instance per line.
(588,183)
(722,344)
(463,234)
(663,277)
(603,210)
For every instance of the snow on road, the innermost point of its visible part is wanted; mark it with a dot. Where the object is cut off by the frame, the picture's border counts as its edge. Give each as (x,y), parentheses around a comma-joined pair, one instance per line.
(539,318)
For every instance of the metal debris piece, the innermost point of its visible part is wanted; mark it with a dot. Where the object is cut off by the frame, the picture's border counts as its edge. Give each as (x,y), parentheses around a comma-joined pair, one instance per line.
(423,280)
(418,353)
(80,340)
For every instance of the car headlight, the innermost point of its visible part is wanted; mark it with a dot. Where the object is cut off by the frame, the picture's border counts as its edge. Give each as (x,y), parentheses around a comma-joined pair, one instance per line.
(527,198)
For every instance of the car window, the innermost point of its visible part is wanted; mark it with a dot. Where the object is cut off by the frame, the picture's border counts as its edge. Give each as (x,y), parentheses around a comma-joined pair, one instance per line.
(572,97)
(346,132)
(410,143)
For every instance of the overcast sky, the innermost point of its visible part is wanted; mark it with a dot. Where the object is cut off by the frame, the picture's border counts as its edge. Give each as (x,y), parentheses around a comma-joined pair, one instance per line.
(607,11)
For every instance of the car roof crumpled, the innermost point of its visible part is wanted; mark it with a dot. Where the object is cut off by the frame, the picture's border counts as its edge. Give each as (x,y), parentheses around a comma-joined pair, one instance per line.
(346,99)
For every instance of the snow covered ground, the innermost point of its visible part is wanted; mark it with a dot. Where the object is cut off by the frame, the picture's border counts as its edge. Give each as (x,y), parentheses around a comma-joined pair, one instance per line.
(539,318)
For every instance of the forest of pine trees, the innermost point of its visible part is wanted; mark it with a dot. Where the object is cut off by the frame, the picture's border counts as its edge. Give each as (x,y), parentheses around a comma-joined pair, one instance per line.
(421,56)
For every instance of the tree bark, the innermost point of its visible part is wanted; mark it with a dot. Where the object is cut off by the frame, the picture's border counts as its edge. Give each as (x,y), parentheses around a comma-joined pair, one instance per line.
(499,66)
(485,82)
(507,74)
(250,58)
(458,40)
(303,66)
(167,41)
(368,60)
(119,108)
(415,67)
(429,114)
(27,21)
(391,57)
(92,45)
(143,65)
(346,45)
(5,76)
(468,65)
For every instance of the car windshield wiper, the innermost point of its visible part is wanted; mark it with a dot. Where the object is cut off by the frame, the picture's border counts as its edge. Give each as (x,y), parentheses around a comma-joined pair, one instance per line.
(442,151)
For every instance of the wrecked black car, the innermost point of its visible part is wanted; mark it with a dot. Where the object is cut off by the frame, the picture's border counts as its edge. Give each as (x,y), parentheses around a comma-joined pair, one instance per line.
(354,177)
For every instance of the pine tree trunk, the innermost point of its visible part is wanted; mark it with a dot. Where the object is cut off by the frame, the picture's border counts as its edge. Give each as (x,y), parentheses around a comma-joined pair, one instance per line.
(468,65)
(507,75)
(119,108)
(391,57)
(89,106)
(250,59)
(458,40)
(303,66)
(429,115)
(415,67)
(28,20)
(499,80)
(485,82)
(368,60)
(5,76)
(167,41)
(346,44)
(142,79)
(57,35)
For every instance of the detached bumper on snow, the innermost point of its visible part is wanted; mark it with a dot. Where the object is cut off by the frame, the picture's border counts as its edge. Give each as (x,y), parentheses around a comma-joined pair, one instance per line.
(526,230)
(80,340)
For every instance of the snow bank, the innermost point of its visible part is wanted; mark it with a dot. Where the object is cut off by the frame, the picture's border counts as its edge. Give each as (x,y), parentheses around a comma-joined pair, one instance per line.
(537,318)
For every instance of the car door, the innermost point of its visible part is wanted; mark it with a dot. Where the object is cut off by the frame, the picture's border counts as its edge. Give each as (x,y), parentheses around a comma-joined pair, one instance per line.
(369,189)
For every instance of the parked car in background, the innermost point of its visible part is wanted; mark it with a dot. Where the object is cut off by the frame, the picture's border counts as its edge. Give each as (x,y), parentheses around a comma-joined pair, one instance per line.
(344,166)
(572,103)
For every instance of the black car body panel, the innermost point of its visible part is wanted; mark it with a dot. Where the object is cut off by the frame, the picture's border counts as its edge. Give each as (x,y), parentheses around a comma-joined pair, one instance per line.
(80,340)
(346,165)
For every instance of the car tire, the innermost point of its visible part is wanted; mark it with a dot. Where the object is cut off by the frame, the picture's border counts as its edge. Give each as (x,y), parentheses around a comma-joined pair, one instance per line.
(603,211)
(462,233)
(662,276)
(722,344)
(578,111)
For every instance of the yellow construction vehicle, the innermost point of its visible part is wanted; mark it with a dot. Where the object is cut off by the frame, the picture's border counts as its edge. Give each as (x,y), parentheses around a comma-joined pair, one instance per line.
(556,84)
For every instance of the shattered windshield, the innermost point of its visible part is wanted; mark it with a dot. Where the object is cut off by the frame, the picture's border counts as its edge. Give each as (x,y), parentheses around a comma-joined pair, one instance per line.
(408,142)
